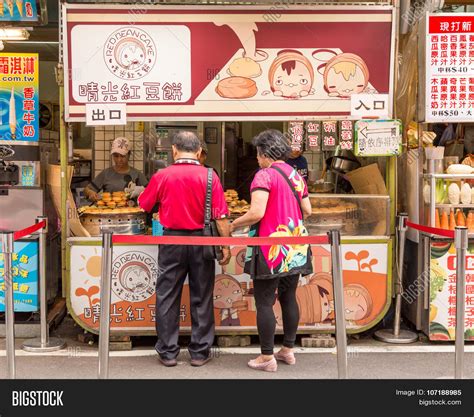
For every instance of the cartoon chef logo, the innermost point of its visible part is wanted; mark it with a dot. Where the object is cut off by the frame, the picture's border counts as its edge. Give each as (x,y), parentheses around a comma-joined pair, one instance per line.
(130,53)
(134,276)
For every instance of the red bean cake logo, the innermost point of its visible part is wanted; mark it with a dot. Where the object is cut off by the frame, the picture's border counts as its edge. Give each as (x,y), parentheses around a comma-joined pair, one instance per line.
(130,53)
(134,276)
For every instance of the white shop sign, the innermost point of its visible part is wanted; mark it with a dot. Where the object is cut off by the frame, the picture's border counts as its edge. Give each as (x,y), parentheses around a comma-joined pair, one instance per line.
(110,114)
(370,105)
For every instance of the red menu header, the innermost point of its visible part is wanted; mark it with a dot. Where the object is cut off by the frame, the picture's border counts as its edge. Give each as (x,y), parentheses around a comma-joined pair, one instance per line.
(448,24)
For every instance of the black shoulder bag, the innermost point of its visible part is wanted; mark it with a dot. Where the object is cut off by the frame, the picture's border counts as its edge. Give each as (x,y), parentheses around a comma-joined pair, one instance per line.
(210,226)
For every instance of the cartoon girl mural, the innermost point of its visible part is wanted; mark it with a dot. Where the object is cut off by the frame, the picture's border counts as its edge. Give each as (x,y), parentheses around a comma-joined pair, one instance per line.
(344,74)
(291,75)
(228,298)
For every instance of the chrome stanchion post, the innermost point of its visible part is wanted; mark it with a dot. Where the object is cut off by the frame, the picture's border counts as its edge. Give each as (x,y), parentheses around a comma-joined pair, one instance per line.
(44,343)
(461,243)
(7,249)
(105,295)
(341,338)
(396,335)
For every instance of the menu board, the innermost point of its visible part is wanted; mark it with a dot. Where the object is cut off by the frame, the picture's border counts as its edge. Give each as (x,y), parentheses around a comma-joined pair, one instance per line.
(313,136)
(346,134)
(329,135)
(296,131)
(450,67)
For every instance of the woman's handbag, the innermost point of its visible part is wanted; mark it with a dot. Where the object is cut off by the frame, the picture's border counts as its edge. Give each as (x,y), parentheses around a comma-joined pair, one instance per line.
(210,226)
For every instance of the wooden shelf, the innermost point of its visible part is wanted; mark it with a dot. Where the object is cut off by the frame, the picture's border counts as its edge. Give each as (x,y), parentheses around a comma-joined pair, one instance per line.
(467,206)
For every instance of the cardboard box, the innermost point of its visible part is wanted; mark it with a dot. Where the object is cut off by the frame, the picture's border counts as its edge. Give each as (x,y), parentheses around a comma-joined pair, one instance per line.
(367,180)
(54,183)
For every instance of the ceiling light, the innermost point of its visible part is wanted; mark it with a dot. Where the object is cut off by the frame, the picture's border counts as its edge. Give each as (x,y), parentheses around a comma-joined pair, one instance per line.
(14,34)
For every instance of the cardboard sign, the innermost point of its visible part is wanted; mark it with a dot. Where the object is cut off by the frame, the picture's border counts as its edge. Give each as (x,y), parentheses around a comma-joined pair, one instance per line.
(378,138)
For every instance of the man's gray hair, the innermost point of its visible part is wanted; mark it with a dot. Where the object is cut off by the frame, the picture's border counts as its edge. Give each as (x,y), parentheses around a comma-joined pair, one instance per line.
(186,141)
(272,144)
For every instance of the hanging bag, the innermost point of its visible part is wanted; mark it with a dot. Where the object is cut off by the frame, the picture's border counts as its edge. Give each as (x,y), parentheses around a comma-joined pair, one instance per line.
(210,226)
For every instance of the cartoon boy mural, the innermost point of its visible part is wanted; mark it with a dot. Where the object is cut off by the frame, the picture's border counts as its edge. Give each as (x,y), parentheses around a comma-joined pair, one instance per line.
(315,300)
(357,303)
(291,75)
(228,298)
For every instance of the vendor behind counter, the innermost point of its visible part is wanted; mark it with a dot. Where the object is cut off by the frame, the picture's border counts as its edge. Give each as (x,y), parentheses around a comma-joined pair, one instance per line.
(118,177)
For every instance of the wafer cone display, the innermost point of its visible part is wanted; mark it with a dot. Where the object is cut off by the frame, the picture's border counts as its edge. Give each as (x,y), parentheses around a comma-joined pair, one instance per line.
(19,5)
(10,6)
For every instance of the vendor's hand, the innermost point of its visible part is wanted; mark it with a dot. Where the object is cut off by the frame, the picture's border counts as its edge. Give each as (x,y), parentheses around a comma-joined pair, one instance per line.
(137,191)
(226,259)
(93,196)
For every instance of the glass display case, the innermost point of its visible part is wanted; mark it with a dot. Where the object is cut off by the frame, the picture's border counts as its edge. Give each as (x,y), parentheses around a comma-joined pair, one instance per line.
(352,214)
(448,200)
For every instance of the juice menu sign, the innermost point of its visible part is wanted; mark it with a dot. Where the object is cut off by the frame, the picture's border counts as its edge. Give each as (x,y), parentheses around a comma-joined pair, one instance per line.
(450,67)
(19,97)
(18,11)
(226,63)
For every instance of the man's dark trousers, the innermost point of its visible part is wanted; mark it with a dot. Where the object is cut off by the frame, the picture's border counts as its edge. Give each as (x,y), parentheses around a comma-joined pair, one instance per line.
(175,263)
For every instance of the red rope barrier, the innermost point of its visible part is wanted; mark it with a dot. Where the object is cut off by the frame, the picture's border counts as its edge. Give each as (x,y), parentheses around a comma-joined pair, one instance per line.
(431,230)
(29,230)
(219,241)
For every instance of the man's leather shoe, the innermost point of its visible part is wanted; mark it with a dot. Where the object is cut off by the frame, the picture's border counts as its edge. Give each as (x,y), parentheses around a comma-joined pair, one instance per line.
(168,362)
(200,362)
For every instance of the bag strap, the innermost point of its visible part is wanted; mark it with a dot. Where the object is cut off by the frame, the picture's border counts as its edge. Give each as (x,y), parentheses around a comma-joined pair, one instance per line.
(207,209)
(292,187)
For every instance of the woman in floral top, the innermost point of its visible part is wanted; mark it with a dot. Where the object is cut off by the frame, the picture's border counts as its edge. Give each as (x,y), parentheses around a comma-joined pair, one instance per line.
(279,204)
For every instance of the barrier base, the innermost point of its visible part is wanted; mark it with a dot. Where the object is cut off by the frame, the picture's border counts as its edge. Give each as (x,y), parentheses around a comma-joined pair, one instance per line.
(35,345)
(404,336)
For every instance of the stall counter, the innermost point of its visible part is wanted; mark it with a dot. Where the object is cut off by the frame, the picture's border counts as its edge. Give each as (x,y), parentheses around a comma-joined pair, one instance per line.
(367,274)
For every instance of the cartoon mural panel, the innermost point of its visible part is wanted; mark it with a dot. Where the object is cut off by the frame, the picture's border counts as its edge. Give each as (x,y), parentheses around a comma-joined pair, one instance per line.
(135,271)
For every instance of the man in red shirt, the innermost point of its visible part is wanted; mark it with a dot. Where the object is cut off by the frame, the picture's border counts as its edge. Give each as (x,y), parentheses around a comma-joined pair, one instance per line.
(180,191)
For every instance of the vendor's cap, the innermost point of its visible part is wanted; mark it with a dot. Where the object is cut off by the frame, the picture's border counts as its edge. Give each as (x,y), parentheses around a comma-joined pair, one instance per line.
(120,145)
(204,147)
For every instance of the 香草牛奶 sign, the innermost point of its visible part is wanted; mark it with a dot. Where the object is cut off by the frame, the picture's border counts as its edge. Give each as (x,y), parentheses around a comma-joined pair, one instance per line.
(19,97)
(226,63)
(450,67)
